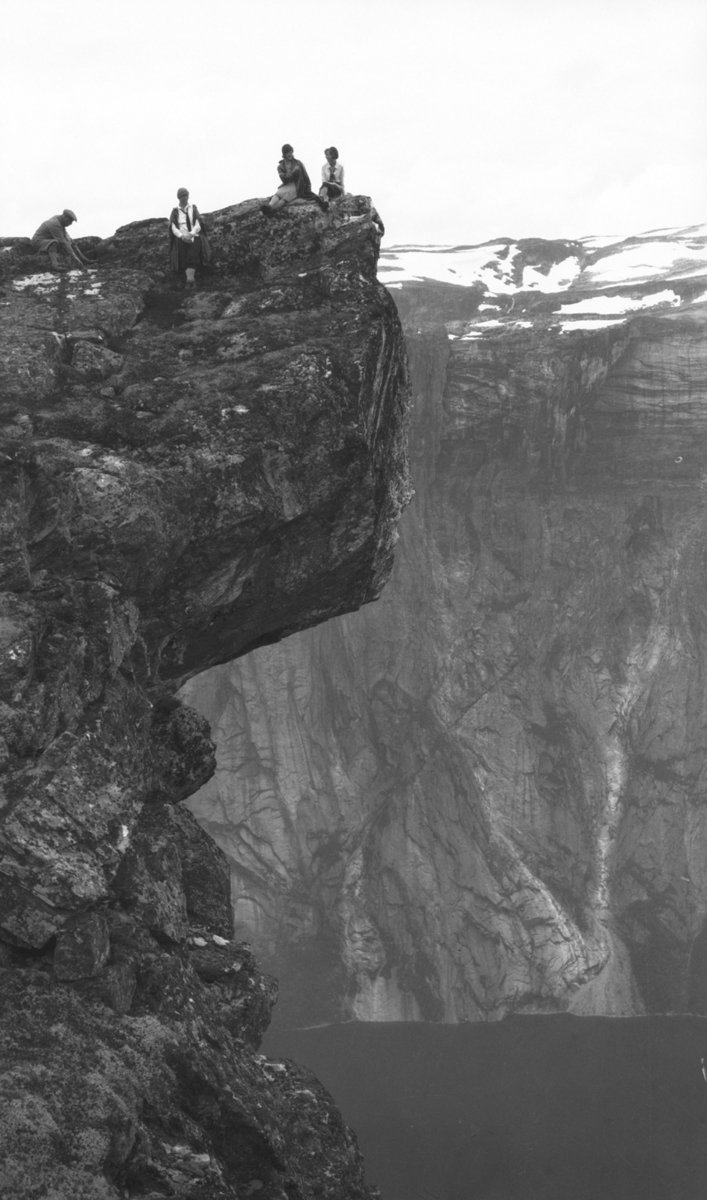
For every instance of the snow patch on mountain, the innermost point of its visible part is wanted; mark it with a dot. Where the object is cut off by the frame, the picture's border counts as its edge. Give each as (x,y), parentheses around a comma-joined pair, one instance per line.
(561,276)
(650,260)
(589,323)
(462,266)
(619,304)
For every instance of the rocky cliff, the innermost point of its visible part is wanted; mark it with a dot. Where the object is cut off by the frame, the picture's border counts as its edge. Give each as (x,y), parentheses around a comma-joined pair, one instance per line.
(184,477)
(486,793)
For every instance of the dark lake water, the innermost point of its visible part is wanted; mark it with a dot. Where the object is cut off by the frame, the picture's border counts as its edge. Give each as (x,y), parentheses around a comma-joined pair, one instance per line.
(532,1108)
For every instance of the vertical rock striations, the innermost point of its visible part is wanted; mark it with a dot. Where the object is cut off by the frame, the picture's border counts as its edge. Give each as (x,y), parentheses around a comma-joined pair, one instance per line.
(182,478)
(486,793)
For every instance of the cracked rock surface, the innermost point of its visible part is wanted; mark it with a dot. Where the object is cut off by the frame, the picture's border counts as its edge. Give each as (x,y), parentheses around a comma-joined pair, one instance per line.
(182,477)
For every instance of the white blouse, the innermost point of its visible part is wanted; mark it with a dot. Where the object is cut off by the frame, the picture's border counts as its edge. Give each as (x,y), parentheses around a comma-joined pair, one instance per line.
(338,174)
(182,228)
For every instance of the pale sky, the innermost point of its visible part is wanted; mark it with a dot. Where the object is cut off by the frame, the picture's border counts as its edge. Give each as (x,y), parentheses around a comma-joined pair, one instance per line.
(463,119)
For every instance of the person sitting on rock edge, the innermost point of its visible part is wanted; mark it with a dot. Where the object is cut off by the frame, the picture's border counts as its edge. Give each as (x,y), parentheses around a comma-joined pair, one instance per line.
(185,243)
(295,183)
(332,176)
(52,239)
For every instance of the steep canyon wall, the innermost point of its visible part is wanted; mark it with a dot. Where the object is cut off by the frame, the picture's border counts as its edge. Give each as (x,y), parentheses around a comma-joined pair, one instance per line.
(486,793)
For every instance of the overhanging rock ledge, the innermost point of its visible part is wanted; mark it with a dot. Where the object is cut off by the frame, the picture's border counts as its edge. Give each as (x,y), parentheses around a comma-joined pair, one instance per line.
(183,477)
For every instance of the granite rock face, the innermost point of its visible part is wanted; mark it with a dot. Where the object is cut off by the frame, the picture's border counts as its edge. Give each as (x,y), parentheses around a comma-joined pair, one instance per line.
(486,793)
(183,476)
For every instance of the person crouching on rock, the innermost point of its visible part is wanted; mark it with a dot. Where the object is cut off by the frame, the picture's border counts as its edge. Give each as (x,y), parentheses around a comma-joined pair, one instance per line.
(332,177)
(295,183)
(185,251)
(52,239)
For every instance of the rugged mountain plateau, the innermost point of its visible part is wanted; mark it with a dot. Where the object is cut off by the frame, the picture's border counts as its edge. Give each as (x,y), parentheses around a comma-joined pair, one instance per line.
(487,793)
(184,477)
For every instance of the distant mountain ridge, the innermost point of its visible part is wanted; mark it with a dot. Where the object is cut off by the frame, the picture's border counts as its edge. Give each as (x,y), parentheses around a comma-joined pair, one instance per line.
(504,266)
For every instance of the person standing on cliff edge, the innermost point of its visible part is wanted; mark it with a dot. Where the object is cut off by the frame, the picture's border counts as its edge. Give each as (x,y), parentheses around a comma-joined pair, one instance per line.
(52,239)
(295,183)
(186,238)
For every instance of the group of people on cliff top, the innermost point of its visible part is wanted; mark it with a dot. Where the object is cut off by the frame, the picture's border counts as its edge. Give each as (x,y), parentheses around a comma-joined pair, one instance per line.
(189,246)
(295,183)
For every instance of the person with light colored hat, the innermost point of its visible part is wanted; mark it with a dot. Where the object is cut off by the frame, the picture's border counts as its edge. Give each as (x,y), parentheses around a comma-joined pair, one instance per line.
(185,238)
(52,239)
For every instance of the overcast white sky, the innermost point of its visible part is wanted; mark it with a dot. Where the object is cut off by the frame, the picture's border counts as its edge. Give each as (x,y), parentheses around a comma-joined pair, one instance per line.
(463,119)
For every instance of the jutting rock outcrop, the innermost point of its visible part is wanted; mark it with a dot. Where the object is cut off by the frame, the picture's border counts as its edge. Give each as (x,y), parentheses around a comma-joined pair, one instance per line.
(486,793)
(184,477)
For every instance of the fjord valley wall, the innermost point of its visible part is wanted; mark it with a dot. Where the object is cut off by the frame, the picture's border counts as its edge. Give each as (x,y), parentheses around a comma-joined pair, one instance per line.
(184,476)
(485,794)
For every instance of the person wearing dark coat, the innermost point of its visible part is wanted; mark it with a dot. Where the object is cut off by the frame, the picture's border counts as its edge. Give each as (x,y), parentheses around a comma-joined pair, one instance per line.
(186,251)
(295,183)
(52,239)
